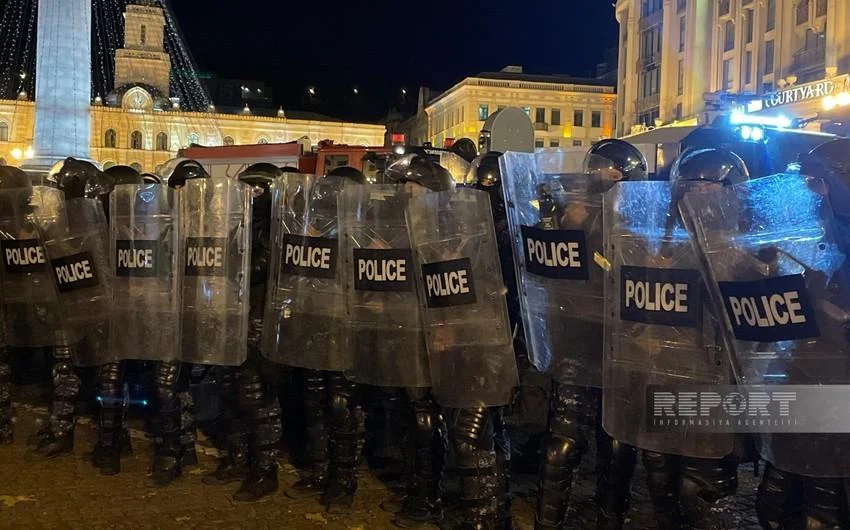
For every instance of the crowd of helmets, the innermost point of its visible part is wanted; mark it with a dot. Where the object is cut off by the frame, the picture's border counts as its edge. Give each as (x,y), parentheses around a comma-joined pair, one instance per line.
(564,316)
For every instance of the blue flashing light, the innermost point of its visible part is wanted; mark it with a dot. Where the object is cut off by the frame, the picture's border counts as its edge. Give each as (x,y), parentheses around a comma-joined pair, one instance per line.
(144,402)
(741,118)
(752,134)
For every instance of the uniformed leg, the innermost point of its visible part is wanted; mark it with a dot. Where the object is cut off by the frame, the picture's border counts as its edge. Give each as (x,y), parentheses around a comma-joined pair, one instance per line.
(315,407)
(429,438)
(260,406)
(662,478)
(168,452)
(5,397)
(825,504)
(471,433)
(347,439)
(706,490)
(110,422)
(233,466)
(779,499)
(502,441)
(571,417)
(59,437)
(395,446)
(187,421)
(615,466)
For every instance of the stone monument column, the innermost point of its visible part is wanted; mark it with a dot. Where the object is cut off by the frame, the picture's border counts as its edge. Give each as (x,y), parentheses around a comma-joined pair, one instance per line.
(63,83)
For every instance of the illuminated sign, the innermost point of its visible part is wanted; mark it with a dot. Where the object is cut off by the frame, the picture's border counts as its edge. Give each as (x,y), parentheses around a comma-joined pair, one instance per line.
(807,92)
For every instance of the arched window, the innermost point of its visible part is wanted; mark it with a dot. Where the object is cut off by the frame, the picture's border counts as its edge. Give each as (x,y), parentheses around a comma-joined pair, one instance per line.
(193,138)
(136,166)
(162,142)
(228,140)
(143,35)
(263,140)
(136,140)
(110,139)
(4,131)
(108,164)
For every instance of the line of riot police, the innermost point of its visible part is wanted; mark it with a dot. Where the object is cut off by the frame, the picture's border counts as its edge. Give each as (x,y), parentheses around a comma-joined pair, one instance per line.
(611,284)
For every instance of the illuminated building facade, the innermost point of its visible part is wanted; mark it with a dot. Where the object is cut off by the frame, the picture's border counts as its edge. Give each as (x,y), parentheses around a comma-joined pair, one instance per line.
(787,54)
(565,111)
(140,125)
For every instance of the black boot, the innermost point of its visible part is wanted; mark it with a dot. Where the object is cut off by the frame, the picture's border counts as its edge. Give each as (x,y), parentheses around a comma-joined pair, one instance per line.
(5,397)
(168,452)
(262,479)
(347,441)
(233,467)
(107,450)
(615,466)
(707,492)
(779,501)
(662,478)
(58,439)
(187,429)
(315,405)
(423,504)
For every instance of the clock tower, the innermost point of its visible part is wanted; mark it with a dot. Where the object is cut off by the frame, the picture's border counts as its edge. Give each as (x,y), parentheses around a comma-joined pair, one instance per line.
(143,59)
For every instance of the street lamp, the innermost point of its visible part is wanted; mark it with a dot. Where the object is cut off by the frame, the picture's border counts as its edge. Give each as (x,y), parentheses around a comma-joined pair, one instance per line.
(311,91)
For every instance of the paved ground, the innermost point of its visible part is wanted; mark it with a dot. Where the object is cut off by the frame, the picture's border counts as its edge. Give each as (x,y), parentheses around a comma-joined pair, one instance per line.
(68,493)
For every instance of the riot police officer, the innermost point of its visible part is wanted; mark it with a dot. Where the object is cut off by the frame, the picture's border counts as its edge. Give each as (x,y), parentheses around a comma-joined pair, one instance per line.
(690,483)
(249,391)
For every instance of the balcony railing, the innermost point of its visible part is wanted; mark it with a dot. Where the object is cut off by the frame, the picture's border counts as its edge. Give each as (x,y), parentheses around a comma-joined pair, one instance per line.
(541,126)
(804,59)
(649,102)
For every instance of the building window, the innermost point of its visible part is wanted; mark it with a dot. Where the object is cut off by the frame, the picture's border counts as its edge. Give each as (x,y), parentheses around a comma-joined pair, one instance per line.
(538,143)
(108,164)
(766,88)
(539,115)
(768,57)
(596,118)
(771,15)
(143,35)
(556,116)
(723,8)
(729,42)
(263,140)
(135,140)
(193,138)
(162,142)
(228,140)
(681,78)
(748,67)
(483,111)
(578,118)
(576,143)
(554,143)
(110,139)
(4,132)
(527,111)
(803,12)
(748,26)
(678,111)
(820,9)
(335,161)
(681,34)
(498,107)
(727,74)
(649,7)
(681,5)
(136,166)
(650,82)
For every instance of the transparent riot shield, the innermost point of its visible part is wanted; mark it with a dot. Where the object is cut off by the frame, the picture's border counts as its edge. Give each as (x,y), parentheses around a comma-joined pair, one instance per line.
(145,322)
(304,320)
(216,252)
(454,164)
(79,260)
(464,310)
(659,326)
(776,264)
(556,227)
(386,336)
(27,285)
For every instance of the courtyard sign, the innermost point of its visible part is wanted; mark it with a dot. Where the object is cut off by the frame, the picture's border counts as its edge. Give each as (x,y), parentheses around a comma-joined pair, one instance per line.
(807,92)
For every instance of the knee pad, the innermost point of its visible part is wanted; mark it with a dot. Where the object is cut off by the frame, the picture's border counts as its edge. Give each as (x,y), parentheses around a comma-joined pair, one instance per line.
(709,479)
(472,427)
(824,503)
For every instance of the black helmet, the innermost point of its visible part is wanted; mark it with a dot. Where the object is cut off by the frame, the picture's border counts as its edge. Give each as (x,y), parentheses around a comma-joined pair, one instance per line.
(78,179)
(260,175)
(186,170)
(12,177)
(150,178)
(709,165)
(350,173)
(484,174)
(289,169)
(465,148)
(123,175)
(617,156)
(421,170)
(830,161)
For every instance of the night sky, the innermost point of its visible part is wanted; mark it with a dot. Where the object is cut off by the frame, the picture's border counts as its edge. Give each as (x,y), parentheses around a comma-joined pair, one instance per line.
(380,46)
